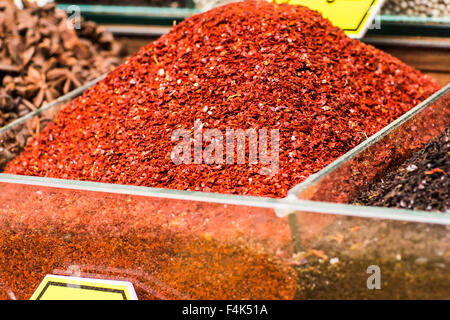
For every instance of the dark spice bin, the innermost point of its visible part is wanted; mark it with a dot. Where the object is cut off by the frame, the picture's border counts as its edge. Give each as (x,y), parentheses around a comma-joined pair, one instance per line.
(174,244)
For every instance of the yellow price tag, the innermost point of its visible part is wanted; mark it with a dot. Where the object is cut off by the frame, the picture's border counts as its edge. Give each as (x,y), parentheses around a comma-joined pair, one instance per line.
(75,288)
(353,16)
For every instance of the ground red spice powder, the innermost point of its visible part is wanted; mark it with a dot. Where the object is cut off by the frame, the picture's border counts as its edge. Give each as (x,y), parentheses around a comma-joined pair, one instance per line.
(244,65)
(168,249)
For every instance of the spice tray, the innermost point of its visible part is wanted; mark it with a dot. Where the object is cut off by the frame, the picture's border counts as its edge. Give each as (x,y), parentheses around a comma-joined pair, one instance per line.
(173,244)
(132,14)
(398,25)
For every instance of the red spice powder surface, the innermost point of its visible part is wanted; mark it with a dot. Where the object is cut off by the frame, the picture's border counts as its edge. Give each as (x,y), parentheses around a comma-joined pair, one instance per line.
(166,248)
(244,65)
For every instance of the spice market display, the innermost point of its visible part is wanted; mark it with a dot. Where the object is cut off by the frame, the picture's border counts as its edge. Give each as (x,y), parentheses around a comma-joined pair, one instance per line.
(422,182)
(135,180)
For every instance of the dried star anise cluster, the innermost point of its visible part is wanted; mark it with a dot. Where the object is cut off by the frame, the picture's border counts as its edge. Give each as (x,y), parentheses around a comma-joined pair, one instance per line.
(43,57)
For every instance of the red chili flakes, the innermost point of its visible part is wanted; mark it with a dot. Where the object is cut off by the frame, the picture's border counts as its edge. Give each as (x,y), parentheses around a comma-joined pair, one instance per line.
(251,64)
(435,170)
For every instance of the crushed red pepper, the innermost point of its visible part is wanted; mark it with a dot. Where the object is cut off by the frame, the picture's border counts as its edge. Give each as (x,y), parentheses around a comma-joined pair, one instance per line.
(244,65)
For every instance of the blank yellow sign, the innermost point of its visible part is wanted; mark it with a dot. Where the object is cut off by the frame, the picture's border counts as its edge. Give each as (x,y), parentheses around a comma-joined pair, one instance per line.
(353,16)
(75,288)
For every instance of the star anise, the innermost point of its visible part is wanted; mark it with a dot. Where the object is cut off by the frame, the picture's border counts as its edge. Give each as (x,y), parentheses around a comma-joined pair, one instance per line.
(36,81)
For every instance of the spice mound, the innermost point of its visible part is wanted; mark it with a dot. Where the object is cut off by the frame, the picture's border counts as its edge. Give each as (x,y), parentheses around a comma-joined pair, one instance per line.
(421,182)
(248,65)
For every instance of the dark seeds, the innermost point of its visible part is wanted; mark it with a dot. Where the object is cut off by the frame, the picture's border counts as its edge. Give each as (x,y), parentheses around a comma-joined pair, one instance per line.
(421,183)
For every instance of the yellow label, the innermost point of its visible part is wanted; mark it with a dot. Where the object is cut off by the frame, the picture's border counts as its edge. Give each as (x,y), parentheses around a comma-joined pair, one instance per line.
(75,288)
(353,16)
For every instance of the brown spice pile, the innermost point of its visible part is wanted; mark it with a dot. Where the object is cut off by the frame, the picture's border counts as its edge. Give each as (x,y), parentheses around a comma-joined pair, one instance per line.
(244,65)
(42,57)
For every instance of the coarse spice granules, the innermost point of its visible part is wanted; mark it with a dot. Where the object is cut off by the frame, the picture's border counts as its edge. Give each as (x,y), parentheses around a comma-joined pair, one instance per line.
(420,183)
(347,182)
(244,65)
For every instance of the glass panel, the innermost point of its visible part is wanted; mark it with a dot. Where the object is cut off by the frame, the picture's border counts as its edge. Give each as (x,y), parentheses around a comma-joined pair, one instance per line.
(339,257)
(176,249)
(414,19)
(104,6)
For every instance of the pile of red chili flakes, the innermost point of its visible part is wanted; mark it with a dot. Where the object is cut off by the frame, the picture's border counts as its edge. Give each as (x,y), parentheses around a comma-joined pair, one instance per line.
(244,65)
